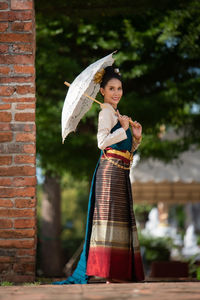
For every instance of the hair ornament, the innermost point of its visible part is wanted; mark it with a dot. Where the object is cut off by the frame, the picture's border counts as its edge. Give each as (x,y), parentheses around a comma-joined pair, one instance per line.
(116,70)
(99,76)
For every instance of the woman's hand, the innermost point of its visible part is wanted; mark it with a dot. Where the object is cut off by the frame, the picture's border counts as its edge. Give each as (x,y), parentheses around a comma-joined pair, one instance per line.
(124,121)
(137,129)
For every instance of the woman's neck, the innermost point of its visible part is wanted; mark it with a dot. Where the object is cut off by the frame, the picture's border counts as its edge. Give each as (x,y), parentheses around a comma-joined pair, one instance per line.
(113,106)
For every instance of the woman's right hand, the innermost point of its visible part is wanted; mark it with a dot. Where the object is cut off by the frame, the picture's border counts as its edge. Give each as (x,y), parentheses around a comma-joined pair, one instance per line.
(124,120)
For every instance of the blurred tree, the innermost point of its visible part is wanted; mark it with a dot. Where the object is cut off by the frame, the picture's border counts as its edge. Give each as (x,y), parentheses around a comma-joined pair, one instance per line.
(158,56)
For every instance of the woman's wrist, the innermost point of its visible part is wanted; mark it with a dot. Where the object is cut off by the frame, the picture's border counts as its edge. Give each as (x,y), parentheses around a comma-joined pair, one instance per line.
(137,139)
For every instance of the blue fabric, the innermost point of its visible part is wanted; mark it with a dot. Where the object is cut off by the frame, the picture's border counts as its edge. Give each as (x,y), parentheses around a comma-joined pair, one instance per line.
(79,276)
(125,144)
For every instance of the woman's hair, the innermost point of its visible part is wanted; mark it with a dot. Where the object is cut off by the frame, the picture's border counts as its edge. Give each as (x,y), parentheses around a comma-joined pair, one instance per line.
(110,73)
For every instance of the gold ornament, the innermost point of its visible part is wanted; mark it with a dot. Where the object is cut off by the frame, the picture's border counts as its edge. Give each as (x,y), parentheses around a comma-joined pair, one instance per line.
(98,76)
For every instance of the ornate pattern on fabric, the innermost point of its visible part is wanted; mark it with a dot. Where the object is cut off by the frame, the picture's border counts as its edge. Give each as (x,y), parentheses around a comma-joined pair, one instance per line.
(114,248)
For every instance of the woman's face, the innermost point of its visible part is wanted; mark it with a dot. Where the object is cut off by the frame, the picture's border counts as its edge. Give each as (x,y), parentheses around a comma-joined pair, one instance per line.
(112,92)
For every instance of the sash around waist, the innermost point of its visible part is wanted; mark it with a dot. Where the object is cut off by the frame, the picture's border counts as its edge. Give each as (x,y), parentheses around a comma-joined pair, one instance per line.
(123,155)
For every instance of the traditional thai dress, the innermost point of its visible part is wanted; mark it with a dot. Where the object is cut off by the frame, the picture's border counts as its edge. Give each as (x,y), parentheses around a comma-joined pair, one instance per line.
(111,248)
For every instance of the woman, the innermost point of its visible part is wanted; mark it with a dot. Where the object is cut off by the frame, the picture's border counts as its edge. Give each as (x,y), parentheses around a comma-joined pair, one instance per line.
(111,248)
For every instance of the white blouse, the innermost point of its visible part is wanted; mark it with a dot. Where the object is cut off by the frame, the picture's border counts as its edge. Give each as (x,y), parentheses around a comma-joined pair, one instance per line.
(107,120)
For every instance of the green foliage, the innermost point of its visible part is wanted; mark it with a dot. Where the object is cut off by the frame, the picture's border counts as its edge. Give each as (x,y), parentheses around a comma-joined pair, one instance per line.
(142,211)
(194,268)
(74,203)
(6,283)
(75,195)
(159,60)
(156,249)
(35,283)
(178,213)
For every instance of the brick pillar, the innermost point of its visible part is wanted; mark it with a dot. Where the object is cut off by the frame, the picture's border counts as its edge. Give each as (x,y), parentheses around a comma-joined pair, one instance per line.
(17,141)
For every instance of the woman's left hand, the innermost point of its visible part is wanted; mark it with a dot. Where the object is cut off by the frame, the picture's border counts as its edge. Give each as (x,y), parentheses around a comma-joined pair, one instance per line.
(137,129)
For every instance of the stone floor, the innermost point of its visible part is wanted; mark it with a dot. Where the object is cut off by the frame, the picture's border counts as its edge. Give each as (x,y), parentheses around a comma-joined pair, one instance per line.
(125,291)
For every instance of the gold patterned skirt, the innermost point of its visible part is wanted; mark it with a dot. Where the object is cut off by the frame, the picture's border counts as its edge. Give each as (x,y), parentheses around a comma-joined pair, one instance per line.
(114,250)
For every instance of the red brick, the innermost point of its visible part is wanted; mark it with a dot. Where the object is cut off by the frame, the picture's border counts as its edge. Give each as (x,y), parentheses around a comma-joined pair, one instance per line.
(5,137)
(5,116)
(17,192)
(20,99)
(24,137)
(17,171)
(30,252)
(25,106)
(18,79)
(31,149)
(28,259)
(6,203)
(13,148)
(17,233)
(18,148)
(18,278)
(24,159)
(25,89)
(24,181)
(14,213)
(16,16)
(4,267)
(16,59)
(24,69)
(25,203)
(4,70)
(22,48)
(16,37)
(6,223)
(21,4)
(29,127)
(5,127)
(3,26)
(26,244)
(5,182)
(23,127)
(5,106)
(24,223)
(22,26)
(3,5)
(5,160)
(4,259)
(24,268)
(25,117)
(3,49)
(6,90)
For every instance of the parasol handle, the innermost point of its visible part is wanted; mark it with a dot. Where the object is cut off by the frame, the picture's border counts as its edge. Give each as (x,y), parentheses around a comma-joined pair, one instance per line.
(86,95)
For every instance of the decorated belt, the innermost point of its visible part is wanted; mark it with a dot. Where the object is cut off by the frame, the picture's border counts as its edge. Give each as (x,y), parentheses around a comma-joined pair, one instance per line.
(124,155)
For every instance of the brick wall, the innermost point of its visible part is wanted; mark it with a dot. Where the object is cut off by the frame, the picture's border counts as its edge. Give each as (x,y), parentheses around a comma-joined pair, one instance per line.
(17,141)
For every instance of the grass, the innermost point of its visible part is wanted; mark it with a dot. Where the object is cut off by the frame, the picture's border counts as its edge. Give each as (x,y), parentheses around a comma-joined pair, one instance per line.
(6,283)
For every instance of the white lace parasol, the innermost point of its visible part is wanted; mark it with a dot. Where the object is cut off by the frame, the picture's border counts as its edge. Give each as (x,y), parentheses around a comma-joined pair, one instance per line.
(76,103)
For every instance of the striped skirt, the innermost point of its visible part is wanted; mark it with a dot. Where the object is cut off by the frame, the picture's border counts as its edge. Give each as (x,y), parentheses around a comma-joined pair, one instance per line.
(114,251)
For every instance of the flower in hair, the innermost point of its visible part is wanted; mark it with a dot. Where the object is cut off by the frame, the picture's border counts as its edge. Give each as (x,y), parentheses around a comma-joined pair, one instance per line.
(117,71)
(99,76)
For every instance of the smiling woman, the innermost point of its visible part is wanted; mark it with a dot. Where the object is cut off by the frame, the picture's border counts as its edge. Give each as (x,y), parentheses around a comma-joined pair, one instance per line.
(114,251)
(111,250)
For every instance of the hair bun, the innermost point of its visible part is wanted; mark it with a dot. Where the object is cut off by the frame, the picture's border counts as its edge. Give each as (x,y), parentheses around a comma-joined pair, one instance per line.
(110,73)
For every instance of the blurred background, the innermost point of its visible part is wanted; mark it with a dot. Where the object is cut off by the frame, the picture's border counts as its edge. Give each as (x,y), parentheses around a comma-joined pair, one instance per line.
(159,57)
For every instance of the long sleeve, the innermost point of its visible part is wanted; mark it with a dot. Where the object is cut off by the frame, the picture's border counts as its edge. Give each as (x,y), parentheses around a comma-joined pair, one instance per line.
(107,121)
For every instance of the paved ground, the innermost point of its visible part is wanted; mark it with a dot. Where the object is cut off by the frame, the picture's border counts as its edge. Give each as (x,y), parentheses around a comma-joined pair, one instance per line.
(125,291)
